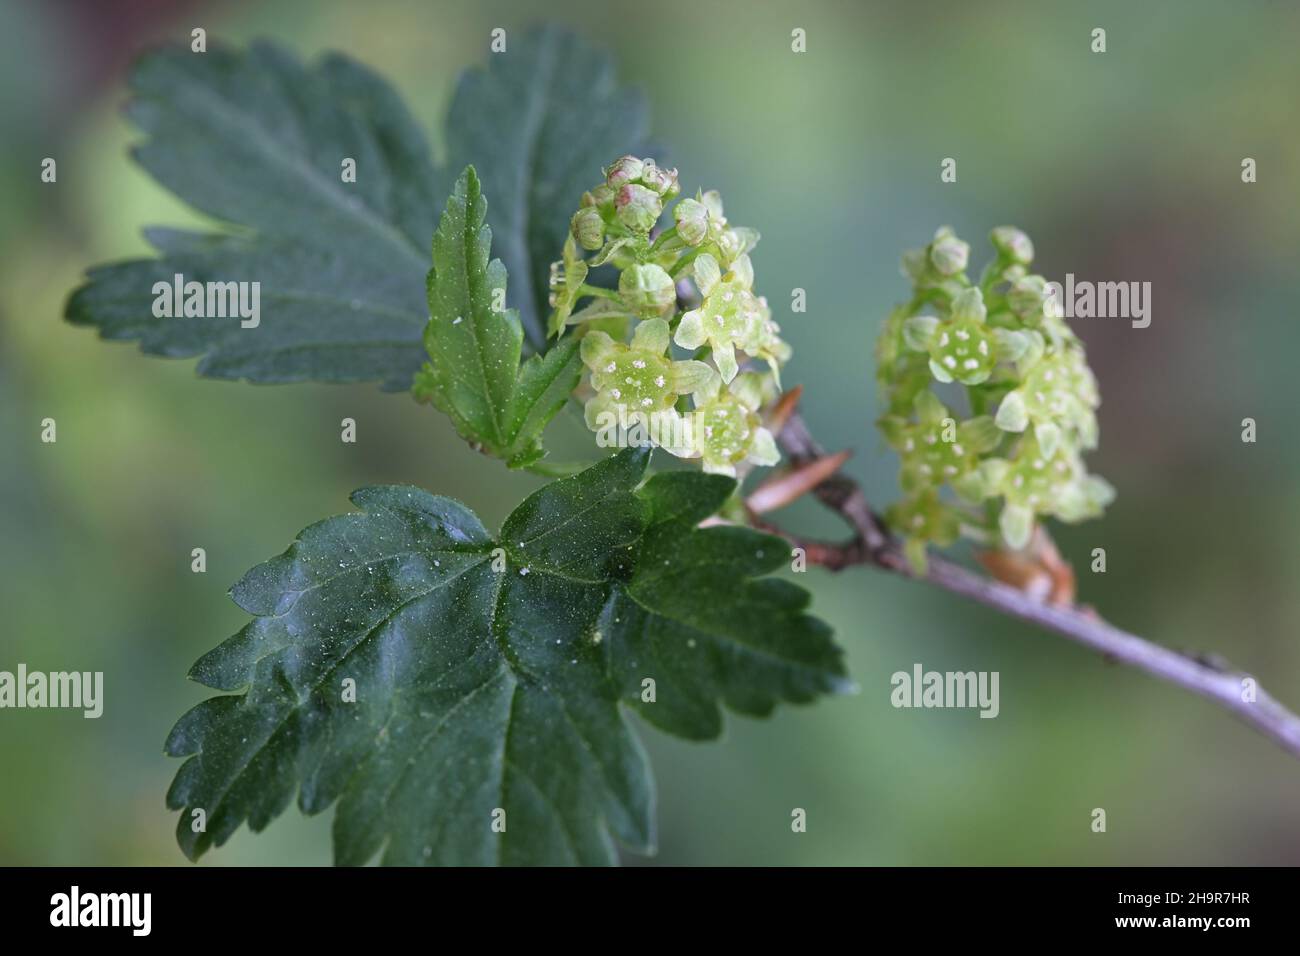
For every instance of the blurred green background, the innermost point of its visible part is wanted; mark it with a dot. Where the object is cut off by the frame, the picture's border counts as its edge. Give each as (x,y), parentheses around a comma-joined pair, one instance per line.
(1121,166)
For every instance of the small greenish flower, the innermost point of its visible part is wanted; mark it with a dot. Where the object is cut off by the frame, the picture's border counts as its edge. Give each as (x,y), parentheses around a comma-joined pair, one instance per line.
(936,448)
(1058,396)
(647,289)
(637,380)
(734,243)
(729,242)
(566,282)
(964,347)
(730,317)
(923,519)
(1037,483)
(727,430)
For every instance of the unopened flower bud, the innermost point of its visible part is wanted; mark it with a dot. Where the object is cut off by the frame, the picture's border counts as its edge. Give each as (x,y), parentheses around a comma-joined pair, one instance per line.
(1013,244)
(624,170)
(662,181)
(588,227)
(637,207)
(1027,296)
(949,254)
(602,197)
(913,264)
(968,305)
(647,289)
(692,221)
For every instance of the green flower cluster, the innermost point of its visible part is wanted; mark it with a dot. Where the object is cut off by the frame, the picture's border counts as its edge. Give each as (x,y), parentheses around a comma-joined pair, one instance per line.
(1015,453)
(702,406)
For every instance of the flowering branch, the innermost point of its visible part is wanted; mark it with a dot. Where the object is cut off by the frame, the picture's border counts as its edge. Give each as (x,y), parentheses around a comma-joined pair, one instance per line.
(872,544)
(1016,459)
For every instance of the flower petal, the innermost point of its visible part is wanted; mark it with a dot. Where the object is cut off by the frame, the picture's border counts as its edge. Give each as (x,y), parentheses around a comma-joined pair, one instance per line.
(1017,524)
(691,377)
(707,273)
(690,331)
(595,349)
(1012,415)
(651,335)
(725,357)
(918,330)
(764,450)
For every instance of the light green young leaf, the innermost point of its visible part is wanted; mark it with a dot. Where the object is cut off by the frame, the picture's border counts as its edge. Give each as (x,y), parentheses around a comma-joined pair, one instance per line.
(474,345)
(433,681)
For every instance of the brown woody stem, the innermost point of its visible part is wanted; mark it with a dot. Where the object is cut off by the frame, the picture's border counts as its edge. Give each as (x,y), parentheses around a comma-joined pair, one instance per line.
(872,544)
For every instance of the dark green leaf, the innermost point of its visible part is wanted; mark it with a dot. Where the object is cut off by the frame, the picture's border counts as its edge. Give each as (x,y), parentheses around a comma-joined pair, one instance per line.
(473,372)
(257,140)
(491,680)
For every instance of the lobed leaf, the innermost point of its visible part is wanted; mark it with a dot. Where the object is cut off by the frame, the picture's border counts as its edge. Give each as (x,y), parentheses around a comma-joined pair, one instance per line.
(256,140)
(489,683)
